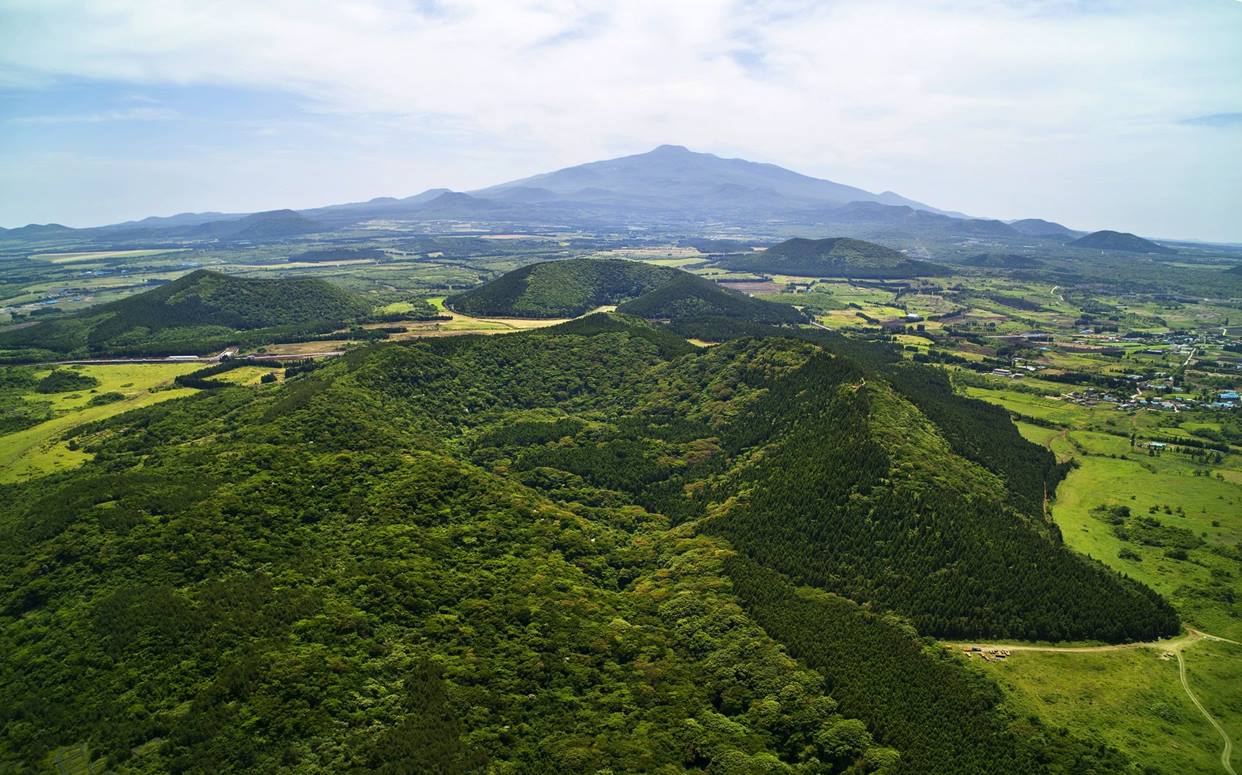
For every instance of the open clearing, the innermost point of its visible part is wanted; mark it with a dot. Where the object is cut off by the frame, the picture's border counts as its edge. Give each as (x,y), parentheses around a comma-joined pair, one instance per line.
(39,449)
(70,258)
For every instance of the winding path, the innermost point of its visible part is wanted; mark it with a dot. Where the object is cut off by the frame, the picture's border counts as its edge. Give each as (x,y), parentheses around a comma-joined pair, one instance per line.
(1227,752)
(1172,645)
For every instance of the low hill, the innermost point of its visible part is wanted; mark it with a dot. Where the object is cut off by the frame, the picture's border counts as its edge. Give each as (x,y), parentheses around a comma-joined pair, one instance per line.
(833,257)
(200,311)
(555,289)
(562,289)
(1119,240)
(1038,227)
(1003,261)
(275,224)
(691,296)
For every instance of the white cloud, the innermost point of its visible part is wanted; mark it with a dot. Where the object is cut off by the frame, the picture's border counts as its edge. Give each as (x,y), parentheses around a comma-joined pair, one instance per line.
(98,117)
(973,104)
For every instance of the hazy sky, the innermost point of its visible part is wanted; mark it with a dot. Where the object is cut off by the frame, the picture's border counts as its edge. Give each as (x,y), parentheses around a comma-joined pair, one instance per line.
(1121,114)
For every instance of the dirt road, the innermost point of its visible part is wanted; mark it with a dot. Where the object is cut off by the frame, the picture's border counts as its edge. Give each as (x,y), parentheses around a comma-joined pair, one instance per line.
(1226,753)
(1172,645)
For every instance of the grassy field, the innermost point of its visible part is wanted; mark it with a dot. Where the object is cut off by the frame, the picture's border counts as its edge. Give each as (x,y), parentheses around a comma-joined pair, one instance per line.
(70,258)
(1131,699)
(39,450)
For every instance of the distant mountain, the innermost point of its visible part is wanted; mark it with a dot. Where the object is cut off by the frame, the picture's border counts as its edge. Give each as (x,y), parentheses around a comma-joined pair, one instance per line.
(669,190)
(833,257)
(1003,261)
(175,221)
(1038,227)
(383,207)
(1119,240)
(672,176)
(874,218)
(36,231)
(198,312)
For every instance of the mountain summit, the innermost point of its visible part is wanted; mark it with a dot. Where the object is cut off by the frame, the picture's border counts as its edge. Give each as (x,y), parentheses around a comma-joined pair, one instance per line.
(672,176)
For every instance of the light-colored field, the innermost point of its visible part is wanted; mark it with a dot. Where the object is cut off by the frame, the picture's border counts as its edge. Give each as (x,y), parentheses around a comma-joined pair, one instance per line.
(69,258)
(1131,699)
(248,375)
(39,450)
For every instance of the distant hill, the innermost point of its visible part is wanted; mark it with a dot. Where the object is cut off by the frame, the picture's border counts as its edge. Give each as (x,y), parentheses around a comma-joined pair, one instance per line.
(200,311)
(833,257)
(275,224)
(865,218)
(1038,227)
(561,289)
(1003,261)
(691,296)
(1119,240)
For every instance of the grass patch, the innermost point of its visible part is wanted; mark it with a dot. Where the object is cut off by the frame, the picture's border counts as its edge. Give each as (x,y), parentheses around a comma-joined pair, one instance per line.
(38,450)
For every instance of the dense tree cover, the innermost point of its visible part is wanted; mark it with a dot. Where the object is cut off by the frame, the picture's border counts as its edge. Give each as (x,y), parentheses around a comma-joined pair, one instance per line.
(337,601)
(943,718)
(200,311)
(561,289)
(64,381)
(691,296)
(513,554)
(983,433)
(833,257)
(1003,261)
(1118,240)
(18,409)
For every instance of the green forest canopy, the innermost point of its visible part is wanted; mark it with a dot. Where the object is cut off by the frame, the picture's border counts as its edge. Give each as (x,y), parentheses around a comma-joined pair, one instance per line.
(196,312)
(832,257)
(559,551)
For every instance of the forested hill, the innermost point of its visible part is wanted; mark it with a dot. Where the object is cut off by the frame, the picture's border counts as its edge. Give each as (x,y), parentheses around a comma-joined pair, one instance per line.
(561,289)
(568,550)
(690,296)
(1119,240)
(572,287)
(198,311)
(833,257)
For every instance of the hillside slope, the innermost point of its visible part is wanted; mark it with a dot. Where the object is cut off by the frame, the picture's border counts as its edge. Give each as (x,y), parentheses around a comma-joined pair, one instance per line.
(557,289)
(560,551)
(833,257)
(1119,240)
(200,309)
(691,296)
(572,287)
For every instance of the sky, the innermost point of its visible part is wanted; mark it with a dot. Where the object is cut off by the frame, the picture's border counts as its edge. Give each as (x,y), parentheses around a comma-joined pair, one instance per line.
(1122,114)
